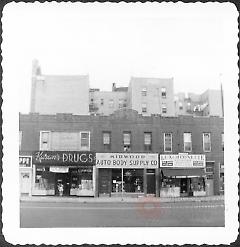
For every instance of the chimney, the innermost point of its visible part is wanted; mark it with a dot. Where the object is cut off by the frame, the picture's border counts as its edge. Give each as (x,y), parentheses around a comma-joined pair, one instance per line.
(113,87)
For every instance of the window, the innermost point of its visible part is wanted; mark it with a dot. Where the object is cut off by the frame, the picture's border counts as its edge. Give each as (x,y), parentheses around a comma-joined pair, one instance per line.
(20,140)
(187,139)
(107,140)
(206,142)
(111,103)
(167,142)
(126,141)
(164,92)
(144,91)
(164,108)
(120,103)
(147,141)
(102,101)
(209,169)
(45,140)
(222,141)
(144,107)
(85,140)
(180,105)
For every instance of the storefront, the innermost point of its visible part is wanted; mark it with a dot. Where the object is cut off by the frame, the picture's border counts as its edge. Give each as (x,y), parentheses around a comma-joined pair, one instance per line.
(182,175)
(127,174)
(25,174)
(64,173)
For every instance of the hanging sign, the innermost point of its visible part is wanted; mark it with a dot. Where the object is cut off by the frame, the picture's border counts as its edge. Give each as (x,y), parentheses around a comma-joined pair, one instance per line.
(64,158)
(182,160)
(25,161)
(127,160)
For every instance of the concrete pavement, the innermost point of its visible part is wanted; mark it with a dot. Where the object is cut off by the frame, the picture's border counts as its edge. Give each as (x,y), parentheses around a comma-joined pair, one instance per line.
(118,199)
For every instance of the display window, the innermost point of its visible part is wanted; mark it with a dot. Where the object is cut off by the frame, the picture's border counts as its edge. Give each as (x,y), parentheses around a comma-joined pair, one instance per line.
(132,181)
(170,187)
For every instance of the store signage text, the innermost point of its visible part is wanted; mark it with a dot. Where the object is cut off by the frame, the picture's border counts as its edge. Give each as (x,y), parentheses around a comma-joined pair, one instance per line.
(64,157)
(118,160)
(183,161)
(25,161)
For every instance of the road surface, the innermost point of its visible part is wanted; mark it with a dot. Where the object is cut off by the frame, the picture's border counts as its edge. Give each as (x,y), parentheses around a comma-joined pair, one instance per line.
(121,214)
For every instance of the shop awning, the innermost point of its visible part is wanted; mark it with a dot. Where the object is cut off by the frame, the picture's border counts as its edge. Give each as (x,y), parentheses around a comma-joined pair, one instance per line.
(194,172)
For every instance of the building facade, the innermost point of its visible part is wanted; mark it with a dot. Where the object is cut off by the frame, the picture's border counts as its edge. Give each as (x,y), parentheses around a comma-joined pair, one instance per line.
(51,94)
(209,103)
(124,154)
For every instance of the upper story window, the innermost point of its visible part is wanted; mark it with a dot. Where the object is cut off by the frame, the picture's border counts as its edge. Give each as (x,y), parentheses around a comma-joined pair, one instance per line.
(187,140)
(64,141)
(127,141)
(164,92)
(45,140)
(20,140)
(107,140)
(164,108)
(206,142)
(222,141)
(147,141)
(85,140)
(144,91)
(111,103)
(102,101)
(167,142)
(144,107)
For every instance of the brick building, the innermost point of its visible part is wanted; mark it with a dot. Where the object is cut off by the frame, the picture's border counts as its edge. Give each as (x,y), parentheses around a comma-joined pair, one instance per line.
(108,155)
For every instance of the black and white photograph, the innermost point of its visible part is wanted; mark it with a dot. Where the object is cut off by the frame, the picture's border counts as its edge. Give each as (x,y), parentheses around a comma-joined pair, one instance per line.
(120,123)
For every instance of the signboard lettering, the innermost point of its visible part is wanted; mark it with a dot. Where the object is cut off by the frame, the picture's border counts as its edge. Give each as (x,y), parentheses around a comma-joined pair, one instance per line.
(25,161)
(64,158)
(183,160)
(122,160)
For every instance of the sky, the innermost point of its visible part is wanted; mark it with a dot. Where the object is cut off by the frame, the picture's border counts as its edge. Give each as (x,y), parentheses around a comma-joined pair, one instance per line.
(193,43)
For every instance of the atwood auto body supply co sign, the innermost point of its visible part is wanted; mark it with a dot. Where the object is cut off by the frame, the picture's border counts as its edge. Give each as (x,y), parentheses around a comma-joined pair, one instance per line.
(182,161)
(127,160)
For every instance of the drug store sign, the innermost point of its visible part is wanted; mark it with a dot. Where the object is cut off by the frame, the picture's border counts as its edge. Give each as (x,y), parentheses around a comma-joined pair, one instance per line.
(127,160)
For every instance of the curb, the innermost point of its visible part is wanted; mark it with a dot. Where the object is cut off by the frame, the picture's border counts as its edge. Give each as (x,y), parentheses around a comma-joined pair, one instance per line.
(115,200)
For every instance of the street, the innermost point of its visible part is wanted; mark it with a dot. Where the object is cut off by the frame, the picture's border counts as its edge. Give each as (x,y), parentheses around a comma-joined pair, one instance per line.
(121,214)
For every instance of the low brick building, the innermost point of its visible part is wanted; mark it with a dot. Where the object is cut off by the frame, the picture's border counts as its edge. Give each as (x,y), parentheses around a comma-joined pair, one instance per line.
(119,154)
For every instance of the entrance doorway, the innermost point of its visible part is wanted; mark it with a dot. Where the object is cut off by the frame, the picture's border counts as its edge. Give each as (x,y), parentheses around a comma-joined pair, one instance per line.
(151,185)
(62,180)
(184,187)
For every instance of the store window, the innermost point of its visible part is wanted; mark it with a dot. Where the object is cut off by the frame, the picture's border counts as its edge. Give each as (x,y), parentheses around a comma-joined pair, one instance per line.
(20,140)
(144,91)
(85,140)
(180,105)
(144,108)
(132,180)
(197,184)
(187,139)
(164,92)
(164,108)
(127,141)
(206,142)
(167,142)
(107,140)
(45,140)
(222,141)
(147,141)
(81,181)
(44,180)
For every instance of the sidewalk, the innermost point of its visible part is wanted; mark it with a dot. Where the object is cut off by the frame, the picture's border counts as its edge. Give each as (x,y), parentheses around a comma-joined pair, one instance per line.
(118,199)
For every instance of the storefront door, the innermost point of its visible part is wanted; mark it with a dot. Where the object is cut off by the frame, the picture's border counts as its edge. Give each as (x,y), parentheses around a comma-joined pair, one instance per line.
(151,186)
(64,180)
(25,185)
(184,187)
(105,181)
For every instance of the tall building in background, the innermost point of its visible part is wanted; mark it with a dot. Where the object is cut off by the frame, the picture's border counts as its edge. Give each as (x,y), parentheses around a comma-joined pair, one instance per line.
(151,96)
(53,94)
(208,103)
